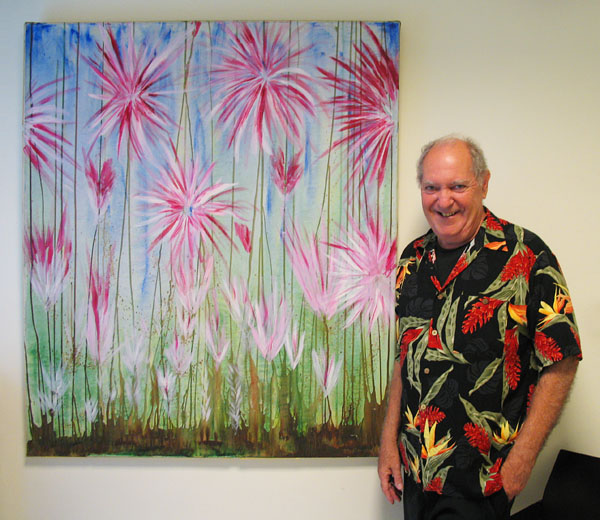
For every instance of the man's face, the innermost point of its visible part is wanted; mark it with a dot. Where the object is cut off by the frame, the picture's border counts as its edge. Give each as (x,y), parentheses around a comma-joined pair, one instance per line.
(452,198)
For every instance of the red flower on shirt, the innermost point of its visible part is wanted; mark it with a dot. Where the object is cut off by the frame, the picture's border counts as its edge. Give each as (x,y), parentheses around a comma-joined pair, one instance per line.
(494,223)
(407,338)
(494,482)
(547,347)
(435,485)
(481,312)
(519,265)
(512,362)
(403,455)
(431,415)
(478,438)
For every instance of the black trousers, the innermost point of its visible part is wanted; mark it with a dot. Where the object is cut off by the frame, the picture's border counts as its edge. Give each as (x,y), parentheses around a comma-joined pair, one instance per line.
(419,505)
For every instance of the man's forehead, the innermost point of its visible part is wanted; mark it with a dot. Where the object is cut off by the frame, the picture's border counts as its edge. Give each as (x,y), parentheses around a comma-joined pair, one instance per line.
(452,182)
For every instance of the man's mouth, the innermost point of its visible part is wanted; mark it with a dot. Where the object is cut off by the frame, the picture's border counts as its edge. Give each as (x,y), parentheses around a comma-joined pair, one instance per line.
(448,214)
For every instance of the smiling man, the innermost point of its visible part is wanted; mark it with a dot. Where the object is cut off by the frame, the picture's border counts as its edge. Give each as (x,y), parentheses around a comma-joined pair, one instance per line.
(487,350)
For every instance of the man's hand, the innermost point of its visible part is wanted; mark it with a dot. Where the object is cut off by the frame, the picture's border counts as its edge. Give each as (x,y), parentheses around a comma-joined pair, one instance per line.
(546,404)
(515,474)
(390,474)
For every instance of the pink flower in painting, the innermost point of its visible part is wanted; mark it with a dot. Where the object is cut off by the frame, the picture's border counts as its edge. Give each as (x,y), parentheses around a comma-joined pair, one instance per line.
(217,343)
(192,280)
(244,235)
(365,107)
(327,370)
(132,85)
(312,266)
(364,269)
(235,293)
(285,174)
(101,316)
(178,357)
(294,346)
(48,257)
(268,323)
(184,208)
(44,145)
(264,91)
(99,185)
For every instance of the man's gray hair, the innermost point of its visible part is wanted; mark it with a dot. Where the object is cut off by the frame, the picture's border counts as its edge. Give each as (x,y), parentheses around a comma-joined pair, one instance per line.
(478,162)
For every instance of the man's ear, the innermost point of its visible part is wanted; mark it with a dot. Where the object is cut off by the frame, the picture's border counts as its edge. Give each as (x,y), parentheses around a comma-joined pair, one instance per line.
(486,180)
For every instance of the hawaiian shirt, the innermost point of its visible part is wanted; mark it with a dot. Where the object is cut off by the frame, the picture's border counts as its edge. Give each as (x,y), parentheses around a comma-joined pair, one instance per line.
(472,348)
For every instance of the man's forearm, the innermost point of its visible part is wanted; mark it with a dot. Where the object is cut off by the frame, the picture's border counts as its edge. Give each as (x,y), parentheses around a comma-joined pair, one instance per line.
(546,404)
(391,424)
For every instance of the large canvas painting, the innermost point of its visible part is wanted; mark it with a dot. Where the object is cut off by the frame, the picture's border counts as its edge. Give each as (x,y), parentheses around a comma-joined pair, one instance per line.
(209,252)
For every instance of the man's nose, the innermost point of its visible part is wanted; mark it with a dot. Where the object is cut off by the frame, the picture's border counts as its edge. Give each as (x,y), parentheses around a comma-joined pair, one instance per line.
(445,197)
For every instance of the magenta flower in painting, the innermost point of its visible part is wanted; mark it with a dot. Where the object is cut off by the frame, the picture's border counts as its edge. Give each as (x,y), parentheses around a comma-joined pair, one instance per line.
(101,316)
(327,370)
(184,208)
(312,265)
(44,145)
(132,84)
(99,185)
(294,347)
(244,235)
(179,358)
(48,257)
(268,323)
(365,106)
(364,269)
(285,174)
(264,91)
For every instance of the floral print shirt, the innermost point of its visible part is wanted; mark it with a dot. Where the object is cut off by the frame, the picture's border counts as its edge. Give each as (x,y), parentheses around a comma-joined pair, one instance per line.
(472,348)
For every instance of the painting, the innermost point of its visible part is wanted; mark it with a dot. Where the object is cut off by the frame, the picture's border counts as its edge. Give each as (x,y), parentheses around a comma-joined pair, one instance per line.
(208,243)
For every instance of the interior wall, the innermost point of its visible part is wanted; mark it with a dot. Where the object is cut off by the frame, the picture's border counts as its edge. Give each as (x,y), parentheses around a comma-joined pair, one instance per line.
(523,78)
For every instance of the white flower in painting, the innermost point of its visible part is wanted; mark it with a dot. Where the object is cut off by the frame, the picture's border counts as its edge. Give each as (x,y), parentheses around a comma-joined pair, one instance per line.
(55,386)
(294,346)
(326,370)
(166,384)
(91,410)
(178,357)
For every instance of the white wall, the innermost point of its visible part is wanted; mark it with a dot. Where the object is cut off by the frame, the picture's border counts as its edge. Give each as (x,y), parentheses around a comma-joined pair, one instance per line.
(521,77)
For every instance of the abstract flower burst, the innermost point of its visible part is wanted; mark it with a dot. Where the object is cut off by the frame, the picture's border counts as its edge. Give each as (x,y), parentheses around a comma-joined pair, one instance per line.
(44,146)
(130,82)
(364,269)
(312,267)
(264,92)
(365,108)
(183,206)
(49,259)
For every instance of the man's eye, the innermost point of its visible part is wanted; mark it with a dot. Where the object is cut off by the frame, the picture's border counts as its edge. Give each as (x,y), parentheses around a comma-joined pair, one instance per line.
(459,187)
(428,189)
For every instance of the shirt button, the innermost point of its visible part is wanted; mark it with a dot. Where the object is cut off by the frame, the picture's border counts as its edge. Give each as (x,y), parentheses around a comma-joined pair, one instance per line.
(426,371)
(485,300)
(434,332)
(441,296)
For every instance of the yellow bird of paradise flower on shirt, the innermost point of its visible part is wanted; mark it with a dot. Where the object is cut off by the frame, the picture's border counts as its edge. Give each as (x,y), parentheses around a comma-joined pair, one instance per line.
(561,304)
(430,448)
(507,434)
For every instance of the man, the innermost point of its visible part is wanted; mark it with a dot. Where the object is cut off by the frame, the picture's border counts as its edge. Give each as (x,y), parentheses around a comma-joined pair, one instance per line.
(487,350)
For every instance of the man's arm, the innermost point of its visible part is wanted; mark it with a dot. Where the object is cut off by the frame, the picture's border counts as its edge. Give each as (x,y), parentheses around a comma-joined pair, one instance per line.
(546,404)
(389,458)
